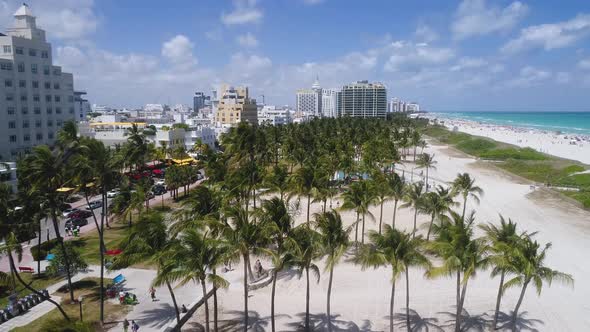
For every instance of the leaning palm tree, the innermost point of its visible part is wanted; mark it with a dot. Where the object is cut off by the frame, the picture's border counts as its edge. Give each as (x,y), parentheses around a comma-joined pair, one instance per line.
(413,198)
(529,266)
(399,251)
(426,161)
(436,204)
(192,259)
(397,190)
(334,241)
(504,244)
(465,186)
(461,254)
(304,254)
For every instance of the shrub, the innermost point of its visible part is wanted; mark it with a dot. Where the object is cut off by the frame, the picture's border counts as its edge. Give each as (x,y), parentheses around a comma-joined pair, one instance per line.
(476,146)
(57,264)
(46,247)
(514,153)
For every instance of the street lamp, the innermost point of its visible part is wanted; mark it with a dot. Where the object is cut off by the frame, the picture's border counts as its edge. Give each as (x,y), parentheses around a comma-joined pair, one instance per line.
(80,299)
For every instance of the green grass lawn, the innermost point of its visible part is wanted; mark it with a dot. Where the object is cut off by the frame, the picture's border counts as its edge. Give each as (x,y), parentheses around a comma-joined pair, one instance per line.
(524,162)
(90,290)
(35,282)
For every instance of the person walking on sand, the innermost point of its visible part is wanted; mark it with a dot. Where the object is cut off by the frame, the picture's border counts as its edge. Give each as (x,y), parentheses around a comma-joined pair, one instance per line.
(125,325)
(134,326)
(153,293)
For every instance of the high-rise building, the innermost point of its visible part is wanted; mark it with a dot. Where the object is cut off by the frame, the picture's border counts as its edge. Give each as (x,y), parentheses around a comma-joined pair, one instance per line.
(200,100)
(363,99)
(82,107)
(36,97)
(309,101)
(330,103)
(235,105)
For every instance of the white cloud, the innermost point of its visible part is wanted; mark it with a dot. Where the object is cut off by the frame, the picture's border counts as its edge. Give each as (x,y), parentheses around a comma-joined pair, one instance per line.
(550,36)
(584,64)
(469,63)
(475,18)
(312,2)
(247,40)
(529,76)
(563,77)
(244,12)
(425,33)
(179,51)
(413,57)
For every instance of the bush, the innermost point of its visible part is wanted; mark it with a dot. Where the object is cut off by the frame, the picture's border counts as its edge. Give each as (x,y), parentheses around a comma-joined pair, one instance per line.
(57,265)
(514,153)
(476,146)
(46,247)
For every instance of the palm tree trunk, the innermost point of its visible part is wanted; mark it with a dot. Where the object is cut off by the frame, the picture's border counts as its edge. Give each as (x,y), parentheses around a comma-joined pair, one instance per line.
(39,250)
(392,300)
(381,216)
(408,300)
(102,250)
(308,205)
(101,245)
(325,202)
(173,302)
(206,304)
(28,286)
(458,313)
(65,253)
(394,213)
(215,318)
(498,300)
(328,301)
(427,179)
(520,298)
(464,207)
(250,274)
(356,229)
(463,292)
(363,233)
(307,300)
(415,216)
(272,300)
(430,227)
(245,256)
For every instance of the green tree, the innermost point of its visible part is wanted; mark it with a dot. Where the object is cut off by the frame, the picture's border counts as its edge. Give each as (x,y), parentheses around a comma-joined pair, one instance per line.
(414,197)
(397,190)
(436,204)
(465,186)
(73,263)
(426,161)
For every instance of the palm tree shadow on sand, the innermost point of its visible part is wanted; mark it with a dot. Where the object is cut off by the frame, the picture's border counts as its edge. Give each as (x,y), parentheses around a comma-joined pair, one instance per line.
(319,322)
(484,321)
(417,322)
(469,322)
(256,323)
(522,323)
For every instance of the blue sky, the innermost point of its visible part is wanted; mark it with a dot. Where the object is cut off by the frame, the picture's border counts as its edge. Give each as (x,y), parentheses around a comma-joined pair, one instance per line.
(448,55)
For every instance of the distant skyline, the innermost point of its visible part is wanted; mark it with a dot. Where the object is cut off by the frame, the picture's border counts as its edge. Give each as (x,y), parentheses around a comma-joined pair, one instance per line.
(448,55)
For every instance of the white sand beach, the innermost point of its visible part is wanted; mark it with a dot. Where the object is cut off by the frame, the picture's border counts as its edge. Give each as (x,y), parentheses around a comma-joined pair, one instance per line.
(575,147)
(360,299)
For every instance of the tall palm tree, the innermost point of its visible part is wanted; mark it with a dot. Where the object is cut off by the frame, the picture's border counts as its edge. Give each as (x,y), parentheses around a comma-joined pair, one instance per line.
(334,241)
(504,244)
(426,161)
(530,267)
(306,252)
(465,186)
(192,259)
(359,197)
(461,254)
(413,198)
(303,184)
(399,251)
(382,192)
(397,190)
(436,204)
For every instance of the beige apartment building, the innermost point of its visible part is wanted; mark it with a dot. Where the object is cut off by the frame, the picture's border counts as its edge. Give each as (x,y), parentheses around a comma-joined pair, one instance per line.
(235,105)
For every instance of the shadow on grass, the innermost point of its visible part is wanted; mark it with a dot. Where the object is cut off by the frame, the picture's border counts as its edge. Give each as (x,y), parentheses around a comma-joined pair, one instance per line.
(417,322)
(80,284)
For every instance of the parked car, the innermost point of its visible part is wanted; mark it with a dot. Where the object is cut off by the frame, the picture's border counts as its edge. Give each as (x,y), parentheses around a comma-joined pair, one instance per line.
(94,205)
(160,183)
(113,193)
(67,212)
(149,195)
(159,190)
(76,222)
(80,214)
(64,207)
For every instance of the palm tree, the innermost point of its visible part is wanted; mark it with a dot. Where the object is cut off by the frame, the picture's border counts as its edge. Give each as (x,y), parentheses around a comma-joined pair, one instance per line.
(334,241)
(358,197)
(193,258)
(504,244)
(530,267)
(303,184)
(461,254)
(436,204)
(399,251)
(382,192)
(465,186)
(426,161)
(413,198)
(304,255)
(397,190)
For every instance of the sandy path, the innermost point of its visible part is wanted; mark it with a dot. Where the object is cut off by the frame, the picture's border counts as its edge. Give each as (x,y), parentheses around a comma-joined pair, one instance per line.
(361,298)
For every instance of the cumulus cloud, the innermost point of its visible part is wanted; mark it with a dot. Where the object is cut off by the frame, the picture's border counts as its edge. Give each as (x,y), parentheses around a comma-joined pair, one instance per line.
(425,33)
(413,57)
(179,51)
(475,18)
(247,40)
(244,12)
(529,76)
(584,64)
(550,36)
(469,63)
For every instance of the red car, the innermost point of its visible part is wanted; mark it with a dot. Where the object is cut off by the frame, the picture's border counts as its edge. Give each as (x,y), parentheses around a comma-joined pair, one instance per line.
(81,214)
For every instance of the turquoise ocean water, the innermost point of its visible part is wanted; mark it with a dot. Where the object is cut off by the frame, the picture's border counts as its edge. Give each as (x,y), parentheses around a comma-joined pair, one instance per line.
(565,122)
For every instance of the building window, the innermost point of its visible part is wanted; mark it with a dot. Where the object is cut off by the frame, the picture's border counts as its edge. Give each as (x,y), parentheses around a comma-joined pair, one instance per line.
(50,135)
(49,110)
(35,84)
(19,50)
(9,97)
(56,86)
(38,124)
(47,85)
(72,111)
(7,49)
(22,84)
(23,98)
(21,67)
(48,98)
(10,110)
(46,70)
(58,110)
(49,123)
(44,54)
(32,52)
(24,110)
(8,83)
(36,98)
(59,123)
(71,99)
(27,138)
(57,71)
(39,136)
(12,138)
(25,124)
(34,68)
(37,110)
(11,124)
(6,66)
(57,99)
